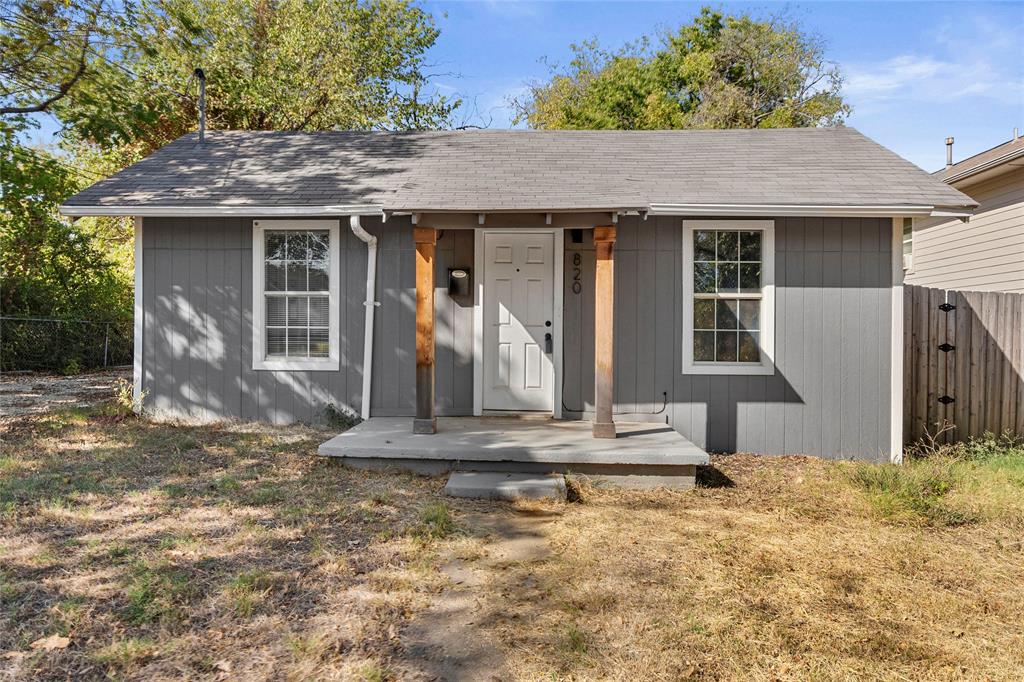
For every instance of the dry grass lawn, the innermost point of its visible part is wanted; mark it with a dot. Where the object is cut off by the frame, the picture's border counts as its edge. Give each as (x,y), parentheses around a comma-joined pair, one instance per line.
(137,550)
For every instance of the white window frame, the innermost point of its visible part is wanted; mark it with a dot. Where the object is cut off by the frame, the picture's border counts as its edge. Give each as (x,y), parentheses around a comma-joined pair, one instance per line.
(907,237)
(767,332)
(259,359)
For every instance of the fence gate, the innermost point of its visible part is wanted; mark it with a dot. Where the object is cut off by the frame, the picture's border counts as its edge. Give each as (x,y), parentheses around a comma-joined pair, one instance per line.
(963,363)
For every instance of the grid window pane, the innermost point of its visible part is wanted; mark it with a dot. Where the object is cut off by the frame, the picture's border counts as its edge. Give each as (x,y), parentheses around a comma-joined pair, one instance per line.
(725,346)
(297,325)
(727,314)
(703,314)
(750,315)
(298,342)
(319,311)
(704,346)
(704,278)
(297,246)
(318,278)
(728,246)
(319,346)
(727,271)
(274,277)
(750,277)
(749,350)
(275,311)
(297,276)
(298,311)
(276,342)
(703,245)
(728,277)
(750,246)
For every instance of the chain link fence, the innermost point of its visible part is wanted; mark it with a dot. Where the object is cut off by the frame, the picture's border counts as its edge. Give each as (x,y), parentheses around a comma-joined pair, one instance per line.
(67,346)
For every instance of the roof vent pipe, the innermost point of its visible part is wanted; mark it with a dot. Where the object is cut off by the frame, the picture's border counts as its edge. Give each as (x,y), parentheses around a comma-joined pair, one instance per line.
(1016,134)
(198,73)
(370,304)
(949,152)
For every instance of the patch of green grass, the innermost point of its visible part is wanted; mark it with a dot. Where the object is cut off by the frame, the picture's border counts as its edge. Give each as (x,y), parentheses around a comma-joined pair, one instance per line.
(373,672)
(575,640)
(305,647)
(265,493)
(248,590)
(225,484)
(174,490)
(947,485)
(435,522)
(124,653)
(156,593)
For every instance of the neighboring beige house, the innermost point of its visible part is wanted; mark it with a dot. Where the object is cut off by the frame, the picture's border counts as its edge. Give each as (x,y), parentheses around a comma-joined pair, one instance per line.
(986,253)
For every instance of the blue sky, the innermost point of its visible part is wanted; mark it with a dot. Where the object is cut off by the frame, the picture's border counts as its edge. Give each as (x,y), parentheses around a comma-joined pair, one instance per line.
(916,72)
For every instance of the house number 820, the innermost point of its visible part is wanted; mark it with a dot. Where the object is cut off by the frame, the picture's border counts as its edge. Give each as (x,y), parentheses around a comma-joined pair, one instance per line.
(577,274)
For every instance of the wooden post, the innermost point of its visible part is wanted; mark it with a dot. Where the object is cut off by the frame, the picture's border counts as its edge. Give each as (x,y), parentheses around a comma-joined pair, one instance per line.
(604,323)
(426,243)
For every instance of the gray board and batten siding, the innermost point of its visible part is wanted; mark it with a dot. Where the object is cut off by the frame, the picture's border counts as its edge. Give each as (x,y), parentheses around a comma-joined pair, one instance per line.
(829,395)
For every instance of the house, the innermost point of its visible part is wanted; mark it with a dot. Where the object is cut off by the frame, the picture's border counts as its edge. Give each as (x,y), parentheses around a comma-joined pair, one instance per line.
(734,290)
(987,252)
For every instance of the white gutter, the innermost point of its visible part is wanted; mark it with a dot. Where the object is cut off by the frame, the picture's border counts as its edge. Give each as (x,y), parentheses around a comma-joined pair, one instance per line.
(802,210)
(215,211)
(369,304)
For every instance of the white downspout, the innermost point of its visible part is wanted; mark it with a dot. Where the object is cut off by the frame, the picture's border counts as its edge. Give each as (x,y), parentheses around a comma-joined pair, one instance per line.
(370,304)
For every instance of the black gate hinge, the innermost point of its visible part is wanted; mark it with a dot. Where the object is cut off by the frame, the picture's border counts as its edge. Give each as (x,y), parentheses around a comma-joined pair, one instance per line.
(946,400)
(945,347)
(946,307)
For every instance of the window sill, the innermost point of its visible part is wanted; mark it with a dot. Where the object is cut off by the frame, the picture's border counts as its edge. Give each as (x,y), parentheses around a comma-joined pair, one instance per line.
(729,369)
(324,365)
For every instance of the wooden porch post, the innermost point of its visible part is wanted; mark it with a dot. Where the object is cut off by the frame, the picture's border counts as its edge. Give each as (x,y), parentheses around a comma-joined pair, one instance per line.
(604,323)
(426,242)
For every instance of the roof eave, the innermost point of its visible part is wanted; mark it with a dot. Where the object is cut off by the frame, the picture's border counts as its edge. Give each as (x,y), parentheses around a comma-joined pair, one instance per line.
(807,210)
(146,211)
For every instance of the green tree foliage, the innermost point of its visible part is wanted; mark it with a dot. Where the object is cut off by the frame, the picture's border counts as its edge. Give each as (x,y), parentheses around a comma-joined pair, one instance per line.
(284,65)
(716,72)
(117,75)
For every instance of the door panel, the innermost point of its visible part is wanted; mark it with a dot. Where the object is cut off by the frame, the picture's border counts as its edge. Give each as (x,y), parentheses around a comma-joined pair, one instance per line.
(518,311)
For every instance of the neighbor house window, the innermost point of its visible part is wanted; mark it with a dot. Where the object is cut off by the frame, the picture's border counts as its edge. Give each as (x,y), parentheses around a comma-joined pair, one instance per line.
(729,308)
(295,294)
(908,244)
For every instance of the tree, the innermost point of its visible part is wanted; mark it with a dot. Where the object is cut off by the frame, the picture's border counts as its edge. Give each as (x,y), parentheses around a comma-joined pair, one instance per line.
(117,76)
(716,72)
(287,65)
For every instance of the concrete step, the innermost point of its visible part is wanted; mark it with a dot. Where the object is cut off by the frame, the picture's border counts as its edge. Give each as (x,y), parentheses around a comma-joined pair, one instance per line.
(501,485)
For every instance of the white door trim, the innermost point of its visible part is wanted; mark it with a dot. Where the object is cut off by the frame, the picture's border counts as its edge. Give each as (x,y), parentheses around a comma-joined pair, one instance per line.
(478,312)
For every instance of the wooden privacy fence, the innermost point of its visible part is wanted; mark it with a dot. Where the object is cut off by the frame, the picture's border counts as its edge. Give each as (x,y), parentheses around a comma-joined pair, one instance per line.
(963,363)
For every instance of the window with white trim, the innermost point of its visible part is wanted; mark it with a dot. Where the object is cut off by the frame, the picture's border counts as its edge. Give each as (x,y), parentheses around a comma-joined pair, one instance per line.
(728,323)
(295,294)
(908,244)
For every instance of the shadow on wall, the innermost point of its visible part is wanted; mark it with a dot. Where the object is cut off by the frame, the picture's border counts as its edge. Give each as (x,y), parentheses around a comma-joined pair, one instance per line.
(829,393)
(198,328)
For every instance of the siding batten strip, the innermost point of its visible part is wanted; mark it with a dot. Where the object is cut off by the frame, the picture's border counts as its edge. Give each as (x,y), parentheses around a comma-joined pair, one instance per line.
(139,322)
(896,361)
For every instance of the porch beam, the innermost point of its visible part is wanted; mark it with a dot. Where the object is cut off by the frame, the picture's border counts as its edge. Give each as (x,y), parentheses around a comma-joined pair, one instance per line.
(425,239)
(604,323)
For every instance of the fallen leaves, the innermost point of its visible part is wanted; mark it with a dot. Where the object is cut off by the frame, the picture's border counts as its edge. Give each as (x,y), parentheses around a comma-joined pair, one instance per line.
(51,642)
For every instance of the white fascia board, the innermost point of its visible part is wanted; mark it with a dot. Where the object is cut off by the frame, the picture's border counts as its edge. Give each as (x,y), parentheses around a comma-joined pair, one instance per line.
(214,211)
(773,210)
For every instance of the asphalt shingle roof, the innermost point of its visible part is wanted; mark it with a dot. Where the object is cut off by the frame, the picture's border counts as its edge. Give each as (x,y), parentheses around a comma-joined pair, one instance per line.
(510,170)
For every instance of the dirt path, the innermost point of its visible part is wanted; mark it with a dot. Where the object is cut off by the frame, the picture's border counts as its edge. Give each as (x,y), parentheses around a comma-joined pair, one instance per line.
(33,393)
(447,641)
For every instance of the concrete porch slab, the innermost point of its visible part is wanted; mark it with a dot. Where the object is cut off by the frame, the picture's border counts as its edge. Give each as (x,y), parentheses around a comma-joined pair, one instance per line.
(493,485)
(497,439)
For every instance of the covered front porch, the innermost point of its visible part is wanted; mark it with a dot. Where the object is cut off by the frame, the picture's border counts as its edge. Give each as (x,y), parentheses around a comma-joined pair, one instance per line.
(642,454)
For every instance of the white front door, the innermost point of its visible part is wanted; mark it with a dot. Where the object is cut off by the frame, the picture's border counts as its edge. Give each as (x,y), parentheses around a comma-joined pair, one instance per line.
(518,320)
